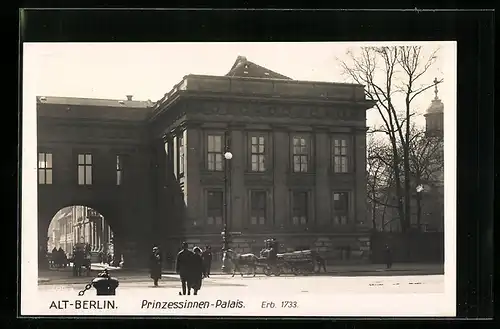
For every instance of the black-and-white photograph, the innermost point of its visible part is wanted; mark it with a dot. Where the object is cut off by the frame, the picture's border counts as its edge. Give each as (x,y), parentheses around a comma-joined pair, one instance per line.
(239,179)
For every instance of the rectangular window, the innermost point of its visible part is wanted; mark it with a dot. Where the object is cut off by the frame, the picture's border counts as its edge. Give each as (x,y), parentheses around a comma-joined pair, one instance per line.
(299,207)
(339,154)
(258,207)
(45,168)
(85,169)
(214,153)
(340,208)
(257,153)
(119,170)
(300,153)
(181,148)
(215,207)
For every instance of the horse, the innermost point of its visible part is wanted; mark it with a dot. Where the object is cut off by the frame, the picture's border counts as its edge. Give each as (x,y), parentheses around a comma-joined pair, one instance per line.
(239,260)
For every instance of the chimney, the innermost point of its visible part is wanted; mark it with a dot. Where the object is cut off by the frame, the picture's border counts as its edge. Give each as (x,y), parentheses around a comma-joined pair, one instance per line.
(129,97)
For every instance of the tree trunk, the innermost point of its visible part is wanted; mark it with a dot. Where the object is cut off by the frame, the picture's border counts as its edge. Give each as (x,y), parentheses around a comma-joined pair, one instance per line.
(406,163)
(397,180)
(419,210)
(374,216)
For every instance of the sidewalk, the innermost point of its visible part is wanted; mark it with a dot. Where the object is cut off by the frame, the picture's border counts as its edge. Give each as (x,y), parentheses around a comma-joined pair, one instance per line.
(366,269)
(64,276)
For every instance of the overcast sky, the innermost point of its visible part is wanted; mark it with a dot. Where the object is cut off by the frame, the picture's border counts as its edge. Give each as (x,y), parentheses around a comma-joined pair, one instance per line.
(149,70)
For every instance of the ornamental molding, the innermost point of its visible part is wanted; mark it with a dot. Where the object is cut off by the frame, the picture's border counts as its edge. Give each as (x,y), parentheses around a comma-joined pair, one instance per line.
(342,113)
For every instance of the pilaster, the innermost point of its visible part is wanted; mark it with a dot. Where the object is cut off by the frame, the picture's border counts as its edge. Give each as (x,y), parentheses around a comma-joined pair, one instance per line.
(192,164)
(280,171)
(359,174)
(322,183)
(237,191)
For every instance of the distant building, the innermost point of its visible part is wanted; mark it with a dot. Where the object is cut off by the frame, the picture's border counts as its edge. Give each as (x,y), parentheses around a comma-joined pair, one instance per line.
(384,212)
(433,193)
(91,227)
(76,223)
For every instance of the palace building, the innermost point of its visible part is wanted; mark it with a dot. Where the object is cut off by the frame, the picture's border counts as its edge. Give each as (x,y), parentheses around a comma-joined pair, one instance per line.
(158,173)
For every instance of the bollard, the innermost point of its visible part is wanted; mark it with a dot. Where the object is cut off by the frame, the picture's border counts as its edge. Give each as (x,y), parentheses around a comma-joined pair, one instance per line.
(104,285)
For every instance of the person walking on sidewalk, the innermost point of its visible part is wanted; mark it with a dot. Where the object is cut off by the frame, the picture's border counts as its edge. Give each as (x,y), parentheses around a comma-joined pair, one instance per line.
(196,270)
(155,265)
(207,261)
(183,267)
(388,257)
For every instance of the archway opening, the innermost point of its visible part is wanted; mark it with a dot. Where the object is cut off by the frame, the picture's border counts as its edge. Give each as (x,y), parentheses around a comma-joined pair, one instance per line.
(74,226)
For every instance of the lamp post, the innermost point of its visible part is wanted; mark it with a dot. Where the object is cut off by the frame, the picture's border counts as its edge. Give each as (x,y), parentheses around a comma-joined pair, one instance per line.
(227,157)
(419,189)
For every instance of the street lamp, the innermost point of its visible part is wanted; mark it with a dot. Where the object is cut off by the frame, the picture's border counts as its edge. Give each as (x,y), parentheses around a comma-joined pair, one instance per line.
(227,156)
(419,189)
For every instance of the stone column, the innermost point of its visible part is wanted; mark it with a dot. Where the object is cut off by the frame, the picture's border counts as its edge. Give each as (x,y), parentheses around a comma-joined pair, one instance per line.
(322,188)
(360,175)
(94,234)
(192,165)
(236,184)
(105,235)
(159,189)
(175,155)
(88,232)
(281,162)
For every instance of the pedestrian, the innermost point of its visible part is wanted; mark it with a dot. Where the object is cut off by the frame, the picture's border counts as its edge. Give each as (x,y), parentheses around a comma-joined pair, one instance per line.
(155,265)
(207,261)
(54,258)
(321,263)
(196,270)
(183,267)
(110,259)
(63,260)
(388,256)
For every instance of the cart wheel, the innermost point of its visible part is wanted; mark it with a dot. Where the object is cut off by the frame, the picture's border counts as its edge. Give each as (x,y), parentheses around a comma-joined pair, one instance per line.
(278,272)
(294,271)
(267,271)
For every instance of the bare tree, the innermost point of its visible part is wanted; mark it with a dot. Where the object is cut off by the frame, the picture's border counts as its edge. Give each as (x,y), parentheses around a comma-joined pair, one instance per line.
(378,178)
(426,163)
(391,76)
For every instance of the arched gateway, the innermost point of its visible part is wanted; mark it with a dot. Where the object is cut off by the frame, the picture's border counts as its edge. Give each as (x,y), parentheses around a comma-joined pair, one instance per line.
(99,153)
(157,171)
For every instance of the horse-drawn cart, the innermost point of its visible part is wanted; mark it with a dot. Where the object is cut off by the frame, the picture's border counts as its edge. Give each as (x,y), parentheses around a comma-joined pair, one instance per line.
(297,262)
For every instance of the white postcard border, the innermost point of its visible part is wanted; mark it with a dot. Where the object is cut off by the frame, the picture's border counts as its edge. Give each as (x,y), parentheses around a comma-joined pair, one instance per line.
(33,303)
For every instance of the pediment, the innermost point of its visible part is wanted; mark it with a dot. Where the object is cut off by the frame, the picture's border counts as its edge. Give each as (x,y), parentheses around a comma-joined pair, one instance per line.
(245,69)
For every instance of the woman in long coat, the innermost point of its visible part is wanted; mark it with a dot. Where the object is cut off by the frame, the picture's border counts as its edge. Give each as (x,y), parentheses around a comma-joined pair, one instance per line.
(155,263)
(197,270)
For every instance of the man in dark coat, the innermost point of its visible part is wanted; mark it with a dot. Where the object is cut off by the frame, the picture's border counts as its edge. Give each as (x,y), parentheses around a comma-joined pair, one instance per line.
(183,267)
(273,255)
(196,274)
(155,265)
(388,256)
(54,258)
(207,261)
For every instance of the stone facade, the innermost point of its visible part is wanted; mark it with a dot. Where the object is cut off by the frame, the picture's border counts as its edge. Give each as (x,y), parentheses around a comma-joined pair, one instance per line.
(167,180)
